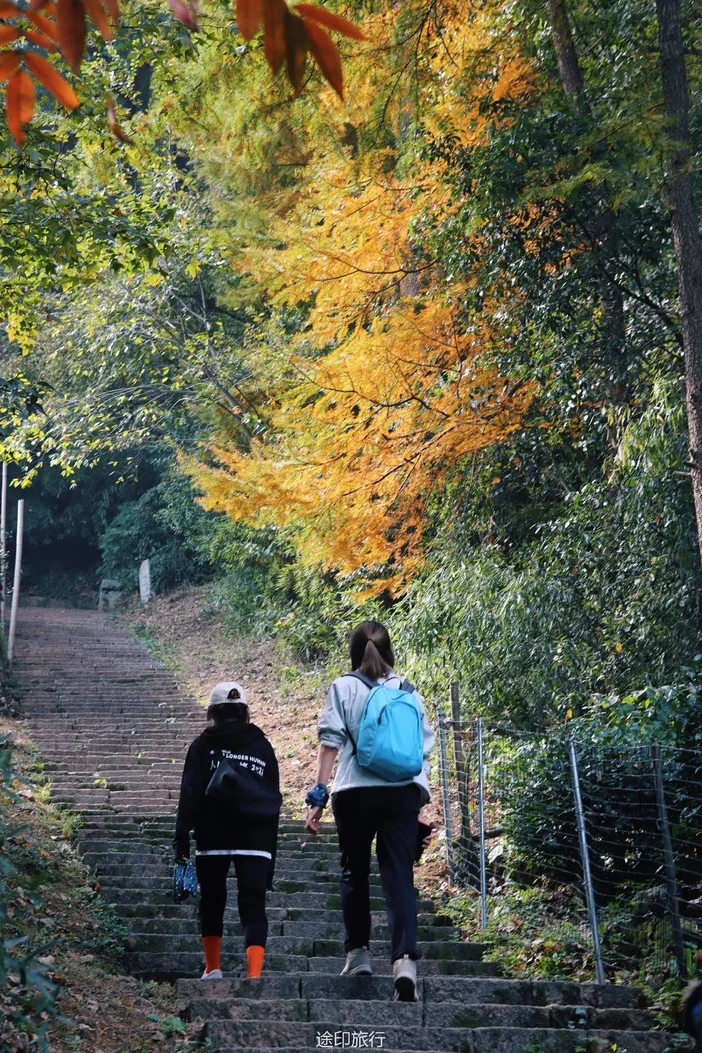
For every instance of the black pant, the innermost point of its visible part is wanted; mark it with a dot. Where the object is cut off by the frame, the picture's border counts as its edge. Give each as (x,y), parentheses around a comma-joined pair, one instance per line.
(390,812)
(251,880)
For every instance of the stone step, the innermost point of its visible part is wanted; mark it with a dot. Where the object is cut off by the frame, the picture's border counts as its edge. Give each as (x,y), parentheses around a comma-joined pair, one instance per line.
(126,829)
(130,894)
(226,1034)
(133,897)
(278,918)
(347,1011)
(190,963)
(147,863)
(274,899)
(480,1040)
(127,767)
(461,990)
(286,829)
(133,851)
(328,945)
(158,800)
(290,870)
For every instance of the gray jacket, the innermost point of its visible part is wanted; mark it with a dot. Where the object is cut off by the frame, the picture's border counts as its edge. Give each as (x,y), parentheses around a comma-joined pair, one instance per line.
(345,701)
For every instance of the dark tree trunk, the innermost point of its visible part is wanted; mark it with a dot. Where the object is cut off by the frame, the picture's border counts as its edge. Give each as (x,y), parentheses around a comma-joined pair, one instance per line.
(604,230)
(686,232)
(566,55)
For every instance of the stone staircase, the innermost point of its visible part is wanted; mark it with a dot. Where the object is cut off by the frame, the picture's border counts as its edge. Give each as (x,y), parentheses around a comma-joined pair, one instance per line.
(113,730)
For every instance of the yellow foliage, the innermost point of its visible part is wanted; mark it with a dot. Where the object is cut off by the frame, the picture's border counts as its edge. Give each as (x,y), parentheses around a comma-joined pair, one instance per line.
(388,385)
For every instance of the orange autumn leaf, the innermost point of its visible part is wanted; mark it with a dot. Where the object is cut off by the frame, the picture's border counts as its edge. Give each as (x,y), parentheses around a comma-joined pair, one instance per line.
(249,15)
(19,104)
(8,34)
(44,25)
(99,18)
(274,12)
(112,8)
(8,10)
(330,20)
(113,124)
(51,79)
(185,11)
(326,55)
(9,63)
(40,40)
(295,50)
(71,31)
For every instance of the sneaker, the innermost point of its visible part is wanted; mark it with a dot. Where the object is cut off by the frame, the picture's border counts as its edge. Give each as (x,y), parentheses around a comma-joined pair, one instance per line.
(357,963)
(216,974)
(404,970)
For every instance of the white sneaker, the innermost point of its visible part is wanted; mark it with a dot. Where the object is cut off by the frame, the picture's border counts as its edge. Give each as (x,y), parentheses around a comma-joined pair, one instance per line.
(216,974)
(357,963)
(404,970)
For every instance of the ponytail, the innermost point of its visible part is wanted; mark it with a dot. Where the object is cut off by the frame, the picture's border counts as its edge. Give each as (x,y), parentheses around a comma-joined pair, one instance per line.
(371,651)
(373,665)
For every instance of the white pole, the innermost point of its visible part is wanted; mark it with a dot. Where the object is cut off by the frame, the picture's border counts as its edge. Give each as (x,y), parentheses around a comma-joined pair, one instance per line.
(16,585)
(3,546)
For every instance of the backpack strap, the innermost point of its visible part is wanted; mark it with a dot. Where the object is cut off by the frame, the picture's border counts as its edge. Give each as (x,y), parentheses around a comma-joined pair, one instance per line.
(405,685)
(358,675)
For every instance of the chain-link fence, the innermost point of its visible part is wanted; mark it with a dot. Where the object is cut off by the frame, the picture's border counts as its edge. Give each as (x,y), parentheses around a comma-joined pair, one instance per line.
(610,835)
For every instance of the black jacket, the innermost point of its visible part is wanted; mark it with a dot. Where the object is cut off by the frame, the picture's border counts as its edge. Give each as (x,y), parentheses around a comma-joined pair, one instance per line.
(245,746)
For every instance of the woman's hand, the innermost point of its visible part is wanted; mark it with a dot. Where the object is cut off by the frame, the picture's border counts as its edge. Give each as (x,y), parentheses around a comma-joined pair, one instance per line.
(313,817)
(424,818)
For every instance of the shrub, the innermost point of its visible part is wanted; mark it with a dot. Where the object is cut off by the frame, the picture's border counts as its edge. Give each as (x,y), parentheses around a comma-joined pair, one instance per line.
(166,526)
(27,995)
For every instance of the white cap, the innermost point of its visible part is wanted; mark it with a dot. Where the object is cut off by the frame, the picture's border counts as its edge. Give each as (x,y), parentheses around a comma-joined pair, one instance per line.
(227,692)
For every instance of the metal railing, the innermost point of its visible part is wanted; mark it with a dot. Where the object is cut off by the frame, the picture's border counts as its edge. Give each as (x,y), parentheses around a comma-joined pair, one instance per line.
(611,832)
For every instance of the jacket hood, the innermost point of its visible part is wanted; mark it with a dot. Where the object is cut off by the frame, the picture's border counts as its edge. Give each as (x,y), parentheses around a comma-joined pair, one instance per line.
(232,732)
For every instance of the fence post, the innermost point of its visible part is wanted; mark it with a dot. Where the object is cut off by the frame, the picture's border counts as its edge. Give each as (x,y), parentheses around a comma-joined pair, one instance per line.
(447,803)
(16,585)
(585,860)
(481,820)
(467,856)
(3,544)
(671,880)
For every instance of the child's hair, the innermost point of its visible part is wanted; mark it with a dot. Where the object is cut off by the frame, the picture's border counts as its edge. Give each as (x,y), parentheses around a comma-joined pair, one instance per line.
(228,711)
(371,650)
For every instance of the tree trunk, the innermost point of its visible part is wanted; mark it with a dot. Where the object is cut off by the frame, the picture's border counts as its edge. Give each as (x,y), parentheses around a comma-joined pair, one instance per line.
(566,55)
(604,230)
(686,231)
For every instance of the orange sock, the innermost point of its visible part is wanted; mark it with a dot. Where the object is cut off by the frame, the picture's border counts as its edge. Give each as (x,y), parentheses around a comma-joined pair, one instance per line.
(254,956)
(212,948)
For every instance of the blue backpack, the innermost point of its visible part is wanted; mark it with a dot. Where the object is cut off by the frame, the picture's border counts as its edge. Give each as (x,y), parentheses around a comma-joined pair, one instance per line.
(390,740)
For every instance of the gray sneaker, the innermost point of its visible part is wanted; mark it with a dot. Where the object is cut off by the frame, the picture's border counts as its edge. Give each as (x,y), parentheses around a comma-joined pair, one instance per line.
(357,963)
(404,970)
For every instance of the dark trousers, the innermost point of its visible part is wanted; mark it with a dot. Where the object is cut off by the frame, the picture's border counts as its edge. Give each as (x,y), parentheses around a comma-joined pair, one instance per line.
(390,812)
(251,879)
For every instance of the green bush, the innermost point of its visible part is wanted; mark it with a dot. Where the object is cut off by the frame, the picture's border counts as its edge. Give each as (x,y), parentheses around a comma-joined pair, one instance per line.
(27,995)
(164,525)
(602,600)
(265,591)
(315,616)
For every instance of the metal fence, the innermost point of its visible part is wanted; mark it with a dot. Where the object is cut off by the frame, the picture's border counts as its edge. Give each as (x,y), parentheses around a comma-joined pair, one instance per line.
(610,836)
